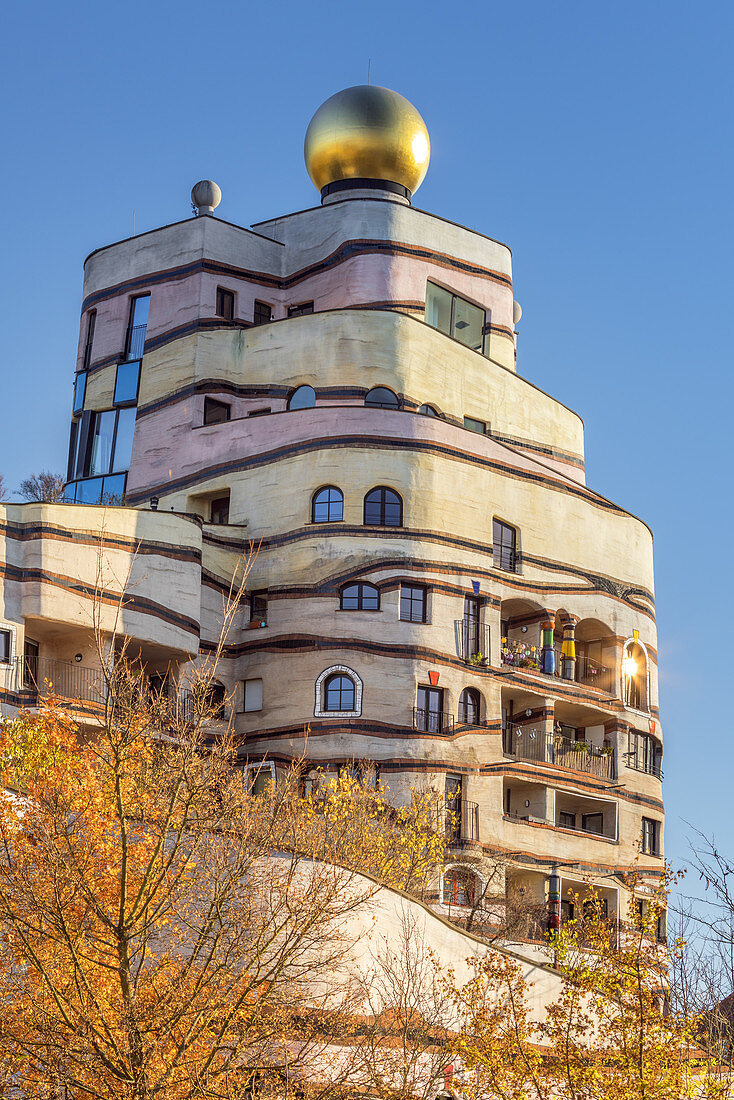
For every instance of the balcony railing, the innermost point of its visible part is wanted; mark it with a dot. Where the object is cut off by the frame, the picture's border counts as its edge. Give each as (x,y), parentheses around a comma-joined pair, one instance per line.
(594,675)
(462,822)
(649,767)
(472,642)
(135,343)
(527,743)
(36,678)
(431,721)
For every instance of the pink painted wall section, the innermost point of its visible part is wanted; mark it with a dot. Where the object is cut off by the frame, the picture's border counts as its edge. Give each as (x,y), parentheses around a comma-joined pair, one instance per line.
(363,280)
(167,446)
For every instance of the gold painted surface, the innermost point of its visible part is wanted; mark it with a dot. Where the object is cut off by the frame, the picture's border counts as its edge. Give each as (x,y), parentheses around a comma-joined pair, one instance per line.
(367,132)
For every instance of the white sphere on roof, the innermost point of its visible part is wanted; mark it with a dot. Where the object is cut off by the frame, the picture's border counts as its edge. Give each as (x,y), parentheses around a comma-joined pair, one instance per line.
(206,196)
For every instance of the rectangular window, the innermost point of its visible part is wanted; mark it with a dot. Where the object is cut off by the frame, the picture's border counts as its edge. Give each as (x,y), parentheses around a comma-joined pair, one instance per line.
(472,612)
(262,313)
(566,910)
(253,695)
(301,309)
(5,647)
(123,440)
(260,778)
(650,836)
(91,323)
(127,381)
(137,327)
(259,608)
(80,389)
(103,435)
(504,539)
(593,823)
(644,753)
(220,510)
(30,663)
(455,316)
(225,303)
(216,412)
(429,714)
(472,425)
(566,820)
(259,412)
(413,603)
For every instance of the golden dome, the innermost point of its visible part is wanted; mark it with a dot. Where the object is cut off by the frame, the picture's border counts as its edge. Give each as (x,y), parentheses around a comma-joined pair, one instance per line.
(367,133)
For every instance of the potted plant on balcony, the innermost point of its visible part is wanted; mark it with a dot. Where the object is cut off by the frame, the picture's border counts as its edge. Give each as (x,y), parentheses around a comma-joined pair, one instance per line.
(477,659)
(580,746)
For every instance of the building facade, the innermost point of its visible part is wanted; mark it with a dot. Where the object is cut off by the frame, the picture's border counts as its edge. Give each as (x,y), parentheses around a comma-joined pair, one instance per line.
(436,591)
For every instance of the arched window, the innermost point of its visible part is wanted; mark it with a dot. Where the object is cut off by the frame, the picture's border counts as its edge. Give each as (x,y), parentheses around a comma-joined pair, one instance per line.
(459,887)
(302,398)
(469,703)
(360,597)
(634,675)
(338,692)
(382,398)
(327,505)
(383,507)
(427,410)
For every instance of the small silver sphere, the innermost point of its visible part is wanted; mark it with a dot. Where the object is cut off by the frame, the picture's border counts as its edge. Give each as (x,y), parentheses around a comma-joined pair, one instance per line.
(205,196)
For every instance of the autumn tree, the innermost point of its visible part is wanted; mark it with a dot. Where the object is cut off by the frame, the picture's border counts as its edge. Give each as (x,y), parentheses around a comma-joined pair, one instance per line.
(165,931)
(44,486)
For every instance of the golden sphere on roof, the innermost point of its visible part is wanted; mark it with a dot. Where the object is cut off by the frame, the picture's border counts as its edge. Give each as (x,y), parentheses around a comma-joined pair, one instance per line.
(367,133)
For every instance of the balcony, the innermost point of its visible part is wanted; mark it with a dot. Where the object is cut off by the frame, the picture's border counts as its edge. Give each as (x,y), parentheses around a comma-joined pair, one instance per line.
(35,678)
(525,743)
(594,675)
(462,823)
(519,654)
(135,343)
(431,721)
(472,642)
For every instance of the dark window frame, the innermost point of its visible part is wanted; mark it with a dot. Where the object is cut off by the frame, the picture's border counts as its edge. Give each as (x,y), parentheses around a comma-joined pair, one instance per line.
(481,429)
(505,554)
(78,406)
(216,504)
(338,500)
(128,401)
(566,824)
(390,405)
(465,712)
(455,296)
(225,295)
(259,606)
(413,596)
(91,325)
(592,816)
(342,677)
(6,646)
(212,409)
(383,490)
(363,588)
(131,327)
(301,309)
(650,844)
(259,315)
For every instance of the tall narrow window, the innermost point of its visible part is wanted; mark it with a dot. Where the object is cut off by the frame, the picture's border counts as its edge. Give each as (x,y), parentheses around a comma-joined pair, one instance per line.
(634,671)
(4,647)
(505,546)
(650,836)
(137,327)
(472,612)
(91,323)
(253,695)
(413,603)
(262,313)
(469,707)
(220,509)
(383,507)
(259,608)
(453,797)
(301,309)
(225,303)
(80,389)
(429,714)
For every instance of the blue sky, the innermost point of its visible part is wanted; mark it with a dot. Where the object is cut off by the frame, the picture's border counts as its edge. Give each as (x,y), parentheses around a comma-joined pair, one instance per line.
(594,139)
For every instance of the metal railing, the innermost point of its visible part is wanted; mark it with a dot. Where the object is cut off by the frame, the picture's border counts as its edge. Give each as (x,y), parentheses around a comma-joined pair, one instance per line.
(472,641)
(135,343)
(594,675)
(432,721)
(528,743)
(35,678)
(462,822)
(504,557)
(640,764)
(519,654)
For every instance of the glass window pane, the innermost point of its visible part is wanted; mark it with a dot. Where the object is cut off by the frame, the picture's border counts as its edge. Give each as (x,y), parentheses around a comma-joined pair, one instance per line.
(438,308)
(126,383)
(303,398)
(468,324)
(382,398)
(370,598)
(141,306)
(102,434)
(114,489)
(80,389)
(124,440)
(89,492)
(350,598)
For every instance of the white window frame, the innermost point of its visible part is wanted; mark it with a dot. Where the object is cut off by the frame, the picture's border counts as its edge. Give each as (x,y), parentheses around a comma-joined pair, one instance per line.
(320,712)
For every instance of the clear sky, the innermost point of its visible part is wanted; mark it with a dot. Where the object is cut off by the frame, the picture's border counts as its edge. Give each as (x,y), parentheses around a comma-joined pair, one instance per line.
(595,139)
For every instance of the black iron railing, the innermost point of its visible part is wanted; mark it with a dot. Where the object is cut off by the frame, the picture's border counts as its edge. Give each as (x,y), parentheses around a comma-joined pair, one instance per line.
(135,342)
(35,678)
(594,675)
(462,822)
(432,721)
(504,557)
(530,743)
(472,641)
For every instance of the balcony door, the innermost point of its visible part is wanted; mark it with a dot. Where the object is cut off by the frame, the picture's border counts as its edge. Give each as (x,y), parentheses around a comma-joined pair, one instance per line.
(471,627)
(30,664)
(452,798)
(430,709)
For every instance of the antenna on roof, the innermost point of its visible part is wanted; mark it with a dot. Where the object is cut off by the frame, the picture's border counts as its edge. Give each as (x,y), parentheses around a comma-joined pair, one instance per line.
(369,62)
